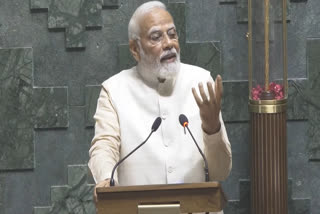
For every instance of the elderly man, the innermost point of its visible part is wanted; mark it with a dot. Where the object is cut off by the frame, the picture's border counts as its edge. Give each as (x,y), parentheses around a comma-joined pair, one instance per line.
(159,85)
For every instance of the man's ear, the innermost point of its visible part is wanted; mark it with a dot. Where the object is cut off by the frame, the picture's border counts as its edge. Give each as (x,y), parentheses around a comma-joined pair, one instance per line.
(134,49)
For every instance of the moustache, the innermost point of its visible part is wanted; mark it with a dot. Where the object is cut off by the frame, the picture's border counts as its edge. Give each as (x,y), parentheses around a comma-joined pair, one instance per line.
(168,54)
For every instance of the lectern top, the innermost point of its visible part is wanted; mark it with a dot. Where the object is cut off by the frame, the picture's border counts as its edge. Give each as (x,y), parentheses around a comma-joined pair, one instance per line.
(139,188)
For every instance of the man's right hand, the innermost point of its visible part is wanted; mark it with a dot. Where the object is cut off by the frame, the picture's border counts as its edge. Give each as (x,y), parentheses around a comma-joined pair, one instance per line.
(104,183)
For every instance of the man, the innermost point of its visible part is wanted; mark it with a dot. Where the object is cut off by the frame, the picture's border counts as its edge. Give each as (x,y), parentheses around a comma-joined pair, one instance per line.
(158,86)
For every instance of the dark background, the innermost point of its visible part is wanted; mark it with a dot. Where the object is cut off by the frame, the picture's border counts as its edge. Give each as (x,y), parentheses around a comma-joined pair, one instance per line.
(54,54)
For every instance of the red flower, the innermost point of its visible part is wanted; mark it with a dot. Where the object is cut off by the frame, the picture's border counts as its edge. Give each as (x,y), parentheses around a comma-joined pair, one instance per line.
(256,92)
(277,89)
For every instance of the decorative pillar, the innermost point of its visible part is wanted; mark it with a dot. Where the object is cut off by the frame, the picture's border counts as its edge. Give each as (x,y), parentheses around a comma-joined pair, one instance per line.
(269,159)
(268,89)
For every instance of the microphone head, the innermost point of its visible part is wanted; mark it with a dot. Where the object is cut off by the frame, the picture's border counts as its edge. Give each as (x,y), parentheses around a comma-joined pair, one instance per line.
(156,124)
(183,120)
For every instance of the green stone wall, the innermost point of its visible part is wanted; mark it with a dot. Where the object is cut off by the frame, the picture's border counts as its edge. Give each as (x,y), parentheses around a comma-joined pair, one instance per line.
(54,54)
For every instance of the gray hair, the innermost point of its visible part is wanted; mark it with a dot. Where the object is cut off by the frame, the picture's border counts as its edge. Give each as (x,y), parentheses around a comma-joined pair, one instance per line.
(133,27)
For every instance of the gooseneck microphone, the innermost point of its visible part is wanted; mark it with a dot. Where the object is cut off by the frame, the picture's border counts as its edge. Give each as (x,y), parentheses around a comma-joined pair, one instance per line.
(184,122)
(154,128)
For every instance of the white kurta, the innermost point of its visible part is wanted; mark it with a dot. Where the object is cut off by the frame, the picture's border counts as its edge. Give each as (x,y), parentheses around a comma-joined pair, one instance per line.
(125,112)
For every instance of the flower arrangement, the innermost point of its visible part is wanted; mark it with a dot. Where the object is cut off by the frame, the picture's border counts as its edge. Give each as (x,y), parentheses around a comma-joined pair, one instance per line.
(276,89)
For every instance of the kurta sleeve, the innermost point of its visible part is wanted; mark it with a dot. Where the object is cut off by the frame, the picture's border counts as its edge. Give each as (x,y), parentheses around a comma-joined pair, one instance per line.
(105,145)
(218,153)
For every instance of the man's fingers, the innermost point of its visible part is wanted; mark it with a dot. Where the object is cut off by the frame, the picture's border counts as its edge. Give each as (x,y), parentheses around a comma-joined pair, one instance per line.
(196,97)
(219,86)
(214,94)
(95,196)
(211,92)
(105,183)
(218,89)
(202,93)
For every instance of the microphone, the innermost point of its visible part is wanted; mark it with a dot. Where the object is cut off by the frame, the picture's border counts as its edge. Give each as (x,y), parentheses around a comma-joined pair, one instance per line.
(184,122)
(154,128)
(156,124)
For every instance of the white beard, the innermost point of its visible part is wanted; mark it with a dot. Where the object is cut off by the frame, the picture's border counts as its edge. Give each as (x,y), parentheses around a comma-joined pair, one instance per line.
(155,72)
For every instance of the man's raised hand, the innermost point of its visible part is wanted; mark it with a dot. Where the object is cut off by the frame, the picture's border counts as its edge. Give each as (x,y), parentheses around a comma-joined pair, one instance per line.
(210,106)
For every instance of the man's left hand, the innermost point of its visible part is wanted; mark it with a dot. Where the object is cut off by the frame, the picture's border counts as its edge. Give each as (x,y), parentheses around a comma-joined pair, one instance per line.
(210,106)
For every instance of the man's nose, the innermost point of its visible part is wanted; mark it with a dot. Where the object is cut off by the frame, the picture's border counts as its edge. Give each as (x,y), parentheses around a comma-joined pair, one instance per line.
(167,43)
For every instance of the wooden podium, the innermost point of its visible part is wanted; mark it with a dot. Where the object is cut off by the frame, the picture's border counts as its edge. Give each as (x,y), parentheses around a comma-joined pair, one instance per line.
(160,199)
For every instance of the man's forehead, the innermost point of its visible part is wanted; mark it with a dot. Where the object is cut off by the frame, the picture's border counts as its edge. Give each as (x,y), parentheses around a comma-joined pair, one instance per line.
(159,28)
(156,18)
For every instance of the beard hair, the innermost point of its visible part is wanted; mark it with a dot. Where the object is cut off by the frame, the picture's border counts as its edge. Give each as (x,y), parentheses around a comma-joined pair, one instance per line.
(153,71)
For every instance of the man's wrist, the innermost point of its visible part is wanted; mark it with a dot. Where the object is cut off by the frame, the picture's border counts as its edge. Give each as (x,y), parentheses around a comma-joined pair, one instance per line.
(211,130)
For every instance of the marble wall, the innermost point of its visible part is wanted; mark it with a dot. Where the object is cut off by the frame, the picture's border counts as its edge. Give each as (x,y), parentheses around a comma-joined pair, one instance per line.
(54,54)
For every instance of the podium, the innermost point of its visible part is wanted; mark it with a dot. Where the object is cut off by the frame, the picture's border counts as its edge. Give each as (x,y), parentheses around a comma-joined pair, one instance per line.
(161,199)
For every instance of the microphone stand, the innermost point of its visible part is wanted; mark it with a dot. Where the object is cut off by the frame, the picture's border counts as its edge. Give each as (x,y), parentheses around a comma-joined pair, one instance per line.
(206,170)
(154,128)
(114,168)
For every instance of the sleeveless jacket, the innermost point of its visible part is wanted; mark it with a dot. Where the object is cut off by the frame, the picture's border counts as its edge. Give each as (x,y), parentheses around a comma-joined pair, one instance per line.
(170,155)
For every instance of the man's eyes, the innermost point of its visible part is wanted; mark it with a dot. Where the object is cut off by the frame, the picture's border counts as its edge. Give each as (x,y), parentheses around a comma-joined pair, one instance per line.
(172,34)
(156,36)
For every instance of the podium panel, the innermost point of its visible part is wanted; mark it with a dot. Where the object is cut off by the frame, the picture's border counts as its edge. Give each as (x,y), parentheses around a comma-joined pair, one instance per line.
(192,198)
(159,209)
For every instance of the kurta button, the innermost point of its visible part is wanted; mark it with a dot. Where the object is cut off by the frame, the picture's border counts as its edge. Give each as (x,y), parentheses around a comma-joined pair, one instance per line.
(170,169)
(164,114)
